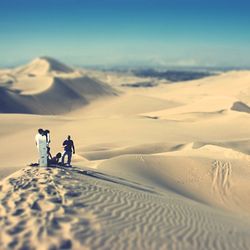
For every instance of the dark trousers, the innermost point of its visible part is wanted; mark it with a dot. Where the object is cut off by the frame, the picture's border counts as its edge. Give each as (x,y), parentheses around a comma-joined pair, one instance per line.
(69,154)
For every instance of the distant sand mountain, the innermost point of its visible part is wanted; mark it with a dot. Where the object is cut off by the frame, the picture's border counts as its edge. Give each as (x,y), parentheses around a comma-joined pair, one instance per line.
(44,65)
(47,86)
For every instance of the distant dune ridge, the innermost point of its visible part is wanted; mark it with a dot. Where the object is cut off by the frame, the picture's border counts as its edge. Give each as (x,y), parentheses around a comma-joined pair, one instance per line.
(46,86)
(44,65)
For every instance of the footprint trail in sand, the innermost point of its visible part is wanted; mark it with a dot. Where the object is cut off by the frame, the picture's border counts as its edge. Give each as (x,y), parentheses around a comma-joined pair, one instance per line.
(222,172)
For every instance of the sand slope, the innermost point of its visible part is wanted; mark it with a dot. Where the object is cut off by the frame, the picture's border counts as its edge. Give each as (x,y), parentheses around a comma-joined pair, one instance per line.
(67,209)
(209,175)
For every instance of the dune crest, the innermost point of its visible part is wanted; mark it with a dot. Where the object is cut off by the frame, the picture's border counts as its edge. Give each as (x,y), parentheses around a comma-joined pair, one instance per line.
(44,65)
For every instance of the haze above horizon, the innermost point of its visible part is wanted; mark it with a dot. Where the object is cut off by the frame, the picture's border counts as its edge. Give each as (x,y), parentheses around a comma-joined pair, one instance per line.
(109,32)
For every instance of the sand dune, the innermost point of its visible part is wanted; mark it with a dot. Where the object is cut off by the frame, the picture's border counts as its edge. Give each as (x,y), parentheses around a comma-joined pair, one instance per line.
(46,86)
(140,149)
(126,105)
(210,174)
(168,166)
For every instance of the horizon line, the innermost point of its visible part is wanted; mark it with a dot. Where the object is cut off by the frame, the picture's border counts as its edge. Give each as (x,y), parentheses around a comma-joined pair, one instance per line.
(137,64)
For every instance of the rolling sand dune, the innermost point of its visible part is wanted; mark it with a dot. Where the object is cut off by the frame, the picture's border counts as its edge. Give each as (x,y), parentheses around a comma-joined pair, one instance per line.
(46,86)
(211,174)
(165,167)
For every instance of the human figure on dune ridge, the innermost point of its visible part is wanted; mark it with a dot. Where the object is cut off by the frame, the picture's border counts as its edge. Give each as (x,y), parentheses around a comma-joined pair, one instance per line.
(38,135)
(49,153)
(69,148)
(41,144)
(55,160)
(47,135)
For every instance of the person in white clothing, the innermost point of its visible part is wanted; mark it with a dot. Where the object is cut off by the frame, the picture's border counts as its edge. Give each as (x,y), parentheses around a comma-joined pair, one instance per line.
(41,143)
(38,137)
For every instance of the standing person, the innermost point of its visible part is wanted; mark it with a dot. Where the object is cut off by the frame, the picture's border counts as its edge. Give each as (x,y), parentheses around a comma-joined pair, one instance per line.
(41,144)
(47,135)
(68,149)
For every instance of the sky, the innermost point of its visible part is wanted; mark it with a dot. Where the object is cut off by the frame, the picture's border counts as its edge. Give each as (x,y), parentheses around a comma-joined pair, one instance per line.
(127,32)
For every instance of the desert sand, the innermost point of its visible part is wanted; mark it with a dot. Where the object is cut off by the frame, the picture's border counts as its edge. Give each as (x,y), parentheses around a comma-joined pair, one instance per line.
(165,167)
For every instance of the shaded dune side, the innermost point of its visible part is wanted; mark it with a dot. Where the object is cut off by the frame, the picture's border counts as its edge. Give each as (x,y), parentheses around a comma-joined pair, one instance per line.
(55,65)
(10,102)
(62,96)
(73,209)
(90,87)
(59,98)
(241,107)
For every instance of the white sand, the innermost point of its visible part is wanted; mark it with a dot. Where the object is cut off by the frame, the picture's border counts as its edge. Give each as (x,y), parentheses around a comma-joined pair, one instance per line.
(172,162)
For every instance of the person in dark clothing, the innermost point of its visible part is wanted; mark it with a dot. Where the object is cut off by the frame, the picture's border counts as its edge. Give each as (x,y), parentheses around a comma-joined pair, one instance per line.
(47,134)
(69,148)
(55,160)
(49,153)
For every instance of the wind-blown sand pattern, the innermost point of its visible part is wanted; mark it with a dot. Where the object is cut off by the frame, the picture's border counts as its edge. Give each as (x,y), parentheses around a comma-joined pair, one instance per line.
(54,208)
(162,167)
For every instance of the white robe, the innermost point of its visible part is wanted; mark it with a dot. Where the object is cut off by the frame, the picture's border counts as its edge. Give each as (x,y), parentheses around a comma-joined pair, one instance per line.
(41,144)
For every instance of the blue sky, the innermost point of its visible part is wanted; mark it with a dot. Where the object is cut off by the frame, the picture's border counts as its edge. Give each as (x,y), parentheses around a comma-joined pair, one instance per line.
(109,32)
